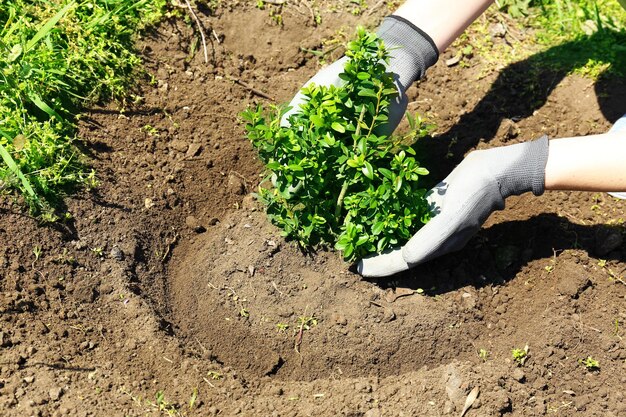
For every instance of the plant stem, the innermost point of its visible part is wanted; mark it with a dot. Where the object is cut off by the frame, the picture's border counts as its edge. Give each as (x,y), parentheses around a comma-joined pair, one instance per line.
(380,91)
(344,187)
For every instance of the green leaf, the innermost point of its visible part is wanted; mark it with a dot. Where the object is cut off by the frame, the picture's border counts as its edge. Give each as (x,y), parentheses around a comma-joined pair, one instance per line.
(348,251)
(367,170)
(16,51)
(317,120)
(353,163)
(398,184)
(378,228)
(362,145)
(363,76)
(386,173)
(47,27)
(367,93)
(34,97)
(10,162)
(338,127)
(362,240)
(382,244)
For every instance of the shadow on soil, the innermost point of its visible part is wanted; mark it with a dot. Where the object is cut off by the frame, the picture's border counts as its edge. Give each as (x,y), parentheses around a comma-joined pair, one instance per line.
(524,87)
(498,253)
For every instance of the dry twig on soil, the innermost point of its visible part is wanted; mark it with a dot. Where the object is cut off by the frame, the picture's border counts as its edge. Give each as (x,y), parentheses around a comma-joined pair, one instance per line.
(249,87)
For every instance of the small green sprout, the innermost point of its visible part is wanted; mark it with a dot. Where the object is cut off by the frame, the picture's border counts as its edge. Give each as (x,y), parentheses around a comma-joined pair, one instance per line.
(590,363)
(520,355)
(98,251)
(483,354)
(37,252)
(163,405)
(215,375)
(194,397)
(282,327)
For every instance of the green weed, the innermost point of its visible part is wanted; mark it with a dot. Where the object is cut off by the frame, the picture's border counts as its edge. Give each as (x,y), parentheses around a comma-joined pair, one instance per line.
(590,363)
(304,323)
(58,56)
(165,406)
(215,375)
(282,327)
(520,355)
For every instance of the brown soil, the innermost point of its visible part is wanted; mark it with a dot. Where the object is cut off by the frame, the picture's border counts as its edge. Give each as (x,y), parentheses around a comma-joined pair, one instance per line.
(169,277)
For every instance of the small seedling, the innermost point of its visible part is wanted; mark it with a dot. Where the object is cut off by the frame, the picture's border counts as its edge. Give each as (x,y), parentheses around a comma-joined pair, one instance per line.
(193,399)
(37,252)
(98,251)
(483,354)
(163,405)
(616,329)
(304,323)
(520,355)
(590,363)
(215,375)
(282,327)
(151,130)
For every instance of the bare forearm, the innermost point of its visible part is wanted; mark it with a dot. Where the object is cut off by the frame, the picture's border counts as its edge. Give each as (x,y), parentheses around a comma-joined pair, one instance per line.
(442,20)
(588,163)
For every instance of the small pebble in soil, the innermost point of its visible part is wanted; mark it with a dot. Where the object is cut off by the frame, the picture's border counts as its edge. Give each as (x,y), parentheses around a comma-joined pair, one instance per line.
(518,375)
(194,224)
(117,254)
(55,393)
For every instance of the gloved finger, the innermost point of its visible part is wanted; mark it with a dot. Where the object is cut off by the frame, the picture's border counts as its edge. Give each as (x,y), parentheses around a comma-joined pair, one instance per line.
(461,217)
(388,263)
(392,262)
(326,76)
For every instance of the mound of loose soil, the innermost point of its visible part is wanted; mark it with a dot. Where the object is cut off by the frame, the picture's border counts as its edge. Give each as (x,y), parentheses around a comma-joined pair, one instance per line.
(170,279)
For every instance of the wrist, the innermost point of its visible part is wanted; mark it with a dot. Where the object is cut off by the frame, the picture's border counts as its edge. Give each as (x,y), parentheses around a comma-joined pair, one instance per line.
(412,50)
(521,168)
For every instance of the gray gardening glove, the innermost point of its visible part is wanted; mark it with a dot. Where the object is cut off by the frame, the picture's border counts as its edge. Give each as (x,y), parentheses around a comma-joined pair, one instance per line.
(411,52)
(462,202)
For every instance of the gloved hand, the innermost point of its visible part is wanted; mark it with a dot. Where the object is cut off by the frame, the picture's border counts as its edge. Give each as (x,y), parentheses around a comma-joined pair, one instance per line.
(411,53)
(462,202)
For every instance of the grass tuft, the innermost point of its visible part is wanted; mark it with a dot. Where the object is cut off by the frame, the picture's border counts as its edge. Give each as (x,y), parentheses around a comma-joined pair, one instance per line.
(59,57)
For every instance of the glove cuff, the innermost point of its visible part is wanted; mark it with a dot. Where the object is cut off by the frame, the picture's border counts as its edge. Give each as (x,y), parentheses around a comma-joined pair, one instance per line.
(526,171)
(412,50)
